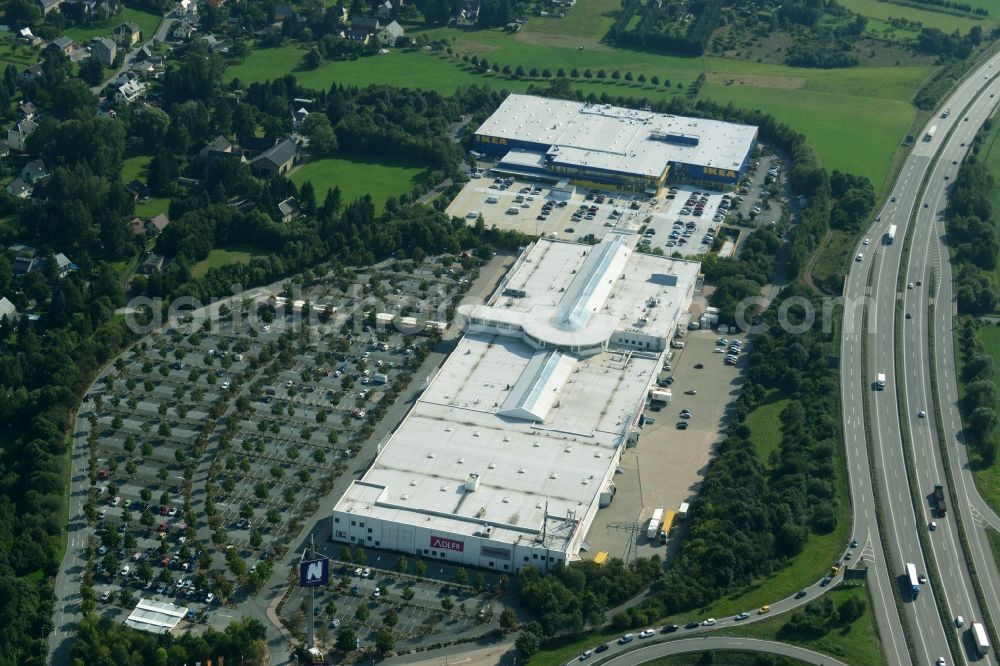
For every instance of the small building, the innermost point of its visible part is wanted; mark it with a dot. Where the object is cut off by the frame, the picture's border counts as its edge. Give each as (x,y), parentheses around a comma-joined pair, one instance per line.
(35,171)
(17,136)
(129,92)
(31,73)
(62,44)
(25,36)
(104,50)
(152,264)
(220,146)
(276,160)
(299,117)
(384,10)
(128,34)
(138,190)
(137,226)
(19,188)
(157,224)
(359,36)
(288,208)
(27,111)
(369,24)
(155,617)
(7,309)
(46,6)
(389,34)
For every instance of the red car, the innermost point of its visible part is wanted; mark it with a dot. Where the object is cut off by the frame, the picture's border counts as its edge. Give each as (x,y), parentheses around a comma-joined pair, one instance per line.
(164,510)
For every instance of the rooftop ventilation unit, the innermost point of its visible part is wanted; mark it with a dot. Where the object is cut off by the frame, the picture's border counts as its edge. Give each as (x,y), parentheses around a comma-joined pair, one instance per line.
(472,482)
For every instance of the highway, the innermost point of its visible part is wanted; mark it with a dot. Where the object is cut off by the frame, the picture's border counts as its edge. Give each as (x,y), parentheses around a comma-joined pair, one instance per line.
(882,262)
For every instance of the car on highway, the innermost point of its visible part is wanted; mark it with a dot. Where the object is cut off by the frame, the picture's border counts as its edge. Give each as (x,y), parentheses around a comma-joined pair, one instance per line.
(625,638)
(860,257)
(959,621)
(710,622)
(764,610)
(909,286)
(909,316)
(691,392)
(922,578)
(742,616)
(854,543)
(586,655)
(603,647)
(921,414)
(800,594)
(932,526)
(826,581)
(699,366)
(669,628)
(940,660)
(646,633)
(867,240)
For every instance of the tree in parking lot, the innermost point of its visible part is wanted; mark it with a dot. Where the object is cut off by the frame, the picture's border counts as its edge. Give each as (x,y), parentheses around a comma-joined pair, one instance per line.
(256,539)
(461,576)
(236,563)
(508,620)
(273,516)
(125,597)
(447,604)
(384,641)
(419,568)
(347,640)
(246,511)
(362,613)
(401,566)
(391,618)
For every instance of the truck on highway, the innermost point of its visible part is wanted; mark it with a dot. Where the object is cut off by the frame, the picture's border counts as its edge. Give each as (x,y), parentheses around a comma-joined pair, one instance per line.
(980,638)
(890,235)
(930,133)
(911,575)
(939,499)
(880,381)
(654,524)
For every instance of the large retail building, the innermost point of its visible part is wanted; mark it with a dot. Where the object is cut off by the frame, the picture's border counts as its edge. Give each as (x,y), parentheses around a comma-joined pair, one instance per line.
(605,146)
(509,452)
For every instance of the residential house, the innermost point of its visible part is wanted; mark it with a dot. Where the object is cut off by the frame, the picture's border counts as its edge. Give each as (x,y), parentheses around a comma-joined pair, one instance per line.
(299,117)
(340,11)
(63,44)
(281,12)
(4,148)
(129,92)
(64,265)
(221,148)
(216,45)
(384,11)
(157,224)
(27,260)
(182,31)
(19,188)
(276,160)
(7,309)
(17,136)
(128,34)
(288,208)
(25,36)
(35,172)
(137,226)
(388,34)
(138,190)
(104,50)
(46,6)
(369,24)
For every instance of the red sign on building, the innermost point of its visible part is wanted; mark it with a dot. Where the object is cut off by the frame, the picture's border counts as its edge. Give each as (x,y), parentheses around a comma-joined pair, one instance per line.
(446,544)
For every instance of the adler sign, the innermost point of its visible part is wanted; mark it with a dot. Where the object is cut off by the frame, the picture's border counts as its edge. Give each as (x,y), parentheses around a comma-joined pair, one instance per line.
(447,544)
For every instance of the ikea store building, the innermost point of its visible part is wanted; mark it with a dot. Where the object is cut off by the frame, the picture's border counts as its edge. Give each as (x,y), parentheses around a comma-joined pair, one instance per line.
(610,147)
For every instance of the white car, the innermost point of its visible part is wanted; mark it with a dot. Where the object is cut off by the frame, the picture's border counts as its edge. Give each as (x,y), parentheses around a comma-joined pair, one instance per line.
(106,596)
(366,573)
(742,616)
(860,257)
(867,240)
(646,633)
(710,622)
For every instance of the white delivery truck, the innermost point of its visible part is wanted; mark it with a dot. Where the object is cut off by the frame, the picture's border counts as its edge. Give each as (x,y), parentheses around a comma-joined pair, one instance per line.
(930,133)
(980,638)
(682,511)
(880,381)
(654,524)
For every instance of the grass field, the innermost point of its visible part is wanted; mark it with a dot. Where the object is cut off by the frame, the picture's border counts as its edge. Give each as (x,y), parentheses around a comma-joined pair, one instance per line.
(856,643)
(18,55)
(930,19)
(233,254)
(988,479)
(588,19)
(134,168)
(833,260)
(765,425)
(358,175)
(147,23)
(152,208)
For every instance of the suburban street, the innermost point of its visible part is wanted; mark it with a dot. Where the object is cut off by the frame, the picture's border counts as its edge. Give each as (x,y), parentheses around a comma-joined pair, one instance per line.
(882,263)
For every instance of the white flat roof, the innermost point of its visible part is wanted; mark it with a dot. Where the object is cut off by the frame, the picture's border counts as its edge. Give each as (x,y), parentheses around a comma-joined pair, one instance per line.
(574,294)
(456,429)
(616,139)
(155,616)
(536,425)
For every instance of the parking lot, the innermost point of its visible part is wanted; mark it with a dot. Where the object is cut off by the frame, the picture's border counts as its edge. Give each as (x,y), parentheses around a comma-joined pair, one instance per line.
(213,439)
(666,466)
(419,609)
